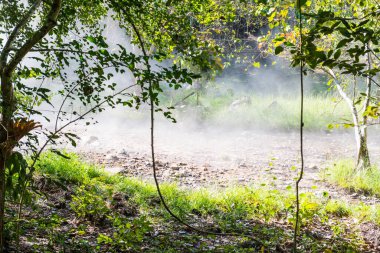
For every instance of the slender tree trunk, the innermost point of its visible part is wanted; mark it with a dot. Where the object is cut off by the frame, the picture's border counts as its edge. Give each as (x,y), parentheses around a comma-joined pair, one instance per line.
(362,154)
(8,108)
(2,203)
(362,158)
(8,105)
(363,161)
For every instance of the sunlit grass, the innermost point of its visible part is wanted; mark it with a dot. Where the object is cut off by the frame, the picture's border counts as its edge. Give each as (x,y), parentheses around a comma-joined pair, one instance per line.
(266,111)
(279,112)
(68,170)
(343,173)
(226,206)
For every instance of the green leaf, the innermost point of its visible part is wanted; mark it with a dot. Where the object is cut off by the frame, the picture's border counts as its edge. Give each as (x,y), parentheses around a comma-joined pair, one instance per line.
(337,54)
(289,44)
(91,39)
(256,64)
(278,50)
(342,43)
(56,151)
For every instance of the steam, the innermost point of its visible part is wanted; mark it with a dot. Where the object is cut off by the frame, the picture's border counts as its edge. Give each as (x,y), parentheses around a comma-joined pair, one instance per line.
(230,141)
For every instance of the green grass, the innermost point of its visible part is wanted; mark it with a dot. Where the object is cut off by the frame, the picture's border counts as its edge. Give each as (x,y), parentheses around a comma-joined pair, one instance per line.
(277,112)
(240,202)
(254,209)
(68,170)
(343,173)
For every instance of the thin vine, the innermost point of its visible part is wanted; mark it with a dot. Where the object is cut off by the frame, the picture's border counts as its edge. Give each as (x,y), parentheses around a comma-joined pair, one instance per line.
(299,8)
(152,121)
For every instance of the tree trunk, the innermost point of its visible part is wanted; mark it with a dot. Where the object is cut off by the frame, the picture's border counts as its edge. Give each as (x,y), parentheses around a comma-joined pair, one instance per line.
(2,203)
(362,159)
(362,154)
(8,107)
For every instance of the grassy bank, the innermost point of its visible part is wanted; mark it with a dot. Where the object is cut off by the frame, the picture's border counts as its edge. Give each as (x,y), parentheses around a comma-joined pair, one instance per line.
(343,174)
(276,112)
(98,212)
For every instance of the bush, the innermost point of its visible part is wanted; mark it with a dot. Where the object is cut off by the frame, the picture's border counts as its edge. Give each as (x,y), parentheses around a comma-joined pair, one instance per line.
(88,203)
(128,234)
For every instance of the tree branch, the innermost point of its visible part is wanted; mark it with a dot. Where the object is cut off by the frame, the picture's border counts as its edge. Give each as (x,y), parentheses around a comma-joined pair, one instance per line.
(152,110)
(50,22)
(374,54)
(369,85)
(15,32)
(377,12)
(64,50)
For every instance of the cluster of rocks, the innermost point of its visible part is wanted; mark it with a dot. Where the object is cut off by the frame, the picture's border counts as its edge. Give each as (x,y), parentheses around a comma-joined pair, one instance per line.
(276,174)
(139,165)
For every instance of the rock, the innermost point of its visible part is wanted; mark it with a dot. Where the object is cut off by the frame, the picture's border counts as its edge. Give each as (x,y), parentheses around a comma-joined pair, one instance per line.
(92,140)
(123,152)
(166,174)
(113,170)
(240,102)
(112,158)
(174,167)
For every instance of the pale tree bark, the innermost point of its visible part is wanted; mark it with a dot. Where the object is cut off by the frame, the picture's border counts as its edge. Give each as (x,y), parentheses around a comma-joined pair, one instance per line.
(8,105)
(360,128)
(363,161)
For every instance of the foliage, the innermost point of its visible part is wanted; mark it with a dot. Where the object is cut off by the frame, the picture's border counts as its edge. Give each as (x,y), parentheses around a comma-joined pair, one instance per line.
(228,210)
(16,175)
(89,203)
(344,44)
(66,44)
(127,234)
(259,202)
(339,209)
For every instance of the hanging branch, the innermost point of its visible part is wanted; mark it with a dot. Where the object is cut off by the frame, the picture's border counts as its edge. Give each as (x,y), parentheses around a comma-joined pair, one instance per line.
(50,139)
(301,132)
(152,111)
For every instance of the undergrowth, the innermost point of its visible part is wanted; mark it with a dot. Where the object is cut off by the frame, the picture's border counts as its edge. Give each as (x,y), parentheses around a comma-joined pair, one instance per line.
(134,220)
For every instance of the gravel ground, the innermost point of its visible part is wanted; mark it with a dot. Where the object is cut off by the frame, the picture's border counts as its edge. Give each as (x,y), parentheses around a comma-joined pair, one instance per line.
(197,157)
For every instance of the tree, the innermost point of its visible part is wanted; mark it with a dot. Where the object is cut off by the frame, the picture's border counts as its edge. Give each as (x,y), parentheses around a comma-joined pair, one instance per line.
(347,50)
(340,40)
(63,42)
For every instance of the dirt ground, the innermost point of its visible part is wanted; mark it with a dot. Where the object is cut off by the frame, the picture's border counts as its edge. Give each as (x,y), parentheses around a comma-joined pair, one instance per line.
(195,156)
